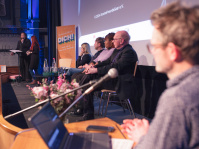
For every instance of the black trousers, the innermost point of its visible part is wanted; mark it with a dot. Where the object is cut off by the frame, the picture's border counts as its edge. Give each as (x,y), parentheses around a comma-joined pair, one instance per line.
(24,67)
(77,76)
(88,99)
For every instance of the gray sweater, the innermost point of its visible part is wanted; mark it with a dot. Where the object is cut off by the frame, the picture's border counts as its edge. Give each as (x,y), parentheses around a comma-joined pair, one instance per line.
(176,121)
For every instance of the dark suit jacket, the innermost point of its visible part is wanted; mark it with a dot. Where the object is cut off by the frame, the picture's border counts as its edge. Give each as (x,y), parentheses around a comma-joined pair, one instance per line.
(34,57)
(24,47)
(125,64)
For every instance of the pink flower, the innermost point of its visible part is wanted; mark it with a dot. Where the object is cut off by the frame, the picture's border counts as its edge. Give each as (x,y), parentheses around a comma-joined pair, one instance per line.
(28,87)
(64,86)
(39,92)
(53,95)
(60,82)
(46,87)
(79,93)
(57,99)
(75,84)
(67,90)
(61,86)
(68,101)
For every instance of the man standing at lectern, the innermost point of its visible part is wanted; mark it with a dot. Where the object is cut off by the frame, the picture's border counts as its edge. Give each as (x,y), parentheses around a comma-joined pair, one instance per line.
(24,60)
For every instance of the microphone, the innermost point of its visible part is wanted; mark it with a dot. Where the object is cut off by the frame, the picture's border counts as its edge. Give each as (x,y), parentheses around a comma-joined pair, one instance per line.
(112,73)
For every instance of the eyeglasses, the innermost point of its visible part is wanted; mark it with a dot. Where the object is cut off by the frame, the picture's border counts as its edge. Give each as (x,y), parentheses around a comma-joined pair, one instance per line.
(116,39)
(151,48)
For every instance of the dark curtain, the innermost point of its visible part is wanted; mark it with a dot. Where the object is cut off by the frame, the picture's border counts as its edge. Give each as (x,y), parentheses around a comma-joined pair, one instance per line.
(150,86)
(53,20)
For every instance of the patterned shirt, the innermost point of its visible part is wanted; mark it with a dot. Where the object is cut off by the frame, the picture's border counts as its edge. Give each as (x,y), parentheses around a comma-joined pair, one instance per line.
(105,54)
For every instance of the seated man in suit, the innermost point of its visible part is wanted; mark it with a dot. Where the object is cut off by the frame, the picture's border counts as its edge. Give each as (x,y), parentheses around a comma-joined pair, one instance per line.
(123,59)
(175,47)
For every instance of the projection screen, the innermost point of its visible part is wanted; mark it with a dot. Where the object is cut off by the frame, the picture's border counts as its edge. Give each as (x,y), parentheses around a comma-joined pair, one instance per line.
(96,18)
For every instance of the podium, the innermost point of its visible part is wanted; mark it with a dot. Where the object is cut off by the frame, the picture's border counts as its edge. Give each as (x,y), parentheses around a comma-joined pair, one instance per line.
(30,139)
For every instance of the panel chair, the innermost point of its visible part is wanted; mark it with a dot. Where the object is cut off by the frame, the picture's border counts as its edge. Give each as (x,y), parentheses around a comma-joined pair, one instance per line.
(110,93)
(65,62)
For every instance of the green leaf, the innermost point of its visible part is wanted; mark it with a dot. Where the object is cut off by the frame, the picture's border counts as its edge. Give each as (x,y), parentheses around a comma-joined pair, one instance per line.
(36,100)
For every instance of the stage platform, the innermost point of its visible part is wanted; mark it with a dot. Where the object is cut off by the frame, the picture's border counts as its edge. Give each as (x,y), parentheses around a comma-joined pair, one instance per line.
(17,97)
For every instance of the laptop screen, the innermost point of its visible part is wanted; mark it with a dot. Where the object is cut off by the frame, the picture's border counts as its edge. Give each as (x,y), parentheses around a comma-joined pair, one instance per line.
(49,126)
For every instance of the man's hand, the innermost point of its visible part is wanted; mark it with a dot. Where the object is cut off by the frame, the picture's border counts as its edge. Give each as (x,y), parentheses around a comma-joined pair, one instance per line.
(135,128)
(87,67)
(92,64)
(22,40)
(80,67)
(91,71)
(96,63)
(81,53)
(12,53)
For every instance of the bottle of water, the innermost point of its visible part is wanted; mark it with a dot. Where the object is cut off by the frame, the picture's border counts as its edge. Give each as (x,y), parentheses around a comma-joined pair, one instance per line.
(45,68)
(45,63)
(53,63)
(54,66)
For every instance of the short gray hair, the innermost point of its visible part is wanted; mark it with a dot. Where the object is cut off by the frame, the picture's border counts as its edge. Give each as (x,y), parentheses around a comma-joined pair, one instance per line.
(179,24)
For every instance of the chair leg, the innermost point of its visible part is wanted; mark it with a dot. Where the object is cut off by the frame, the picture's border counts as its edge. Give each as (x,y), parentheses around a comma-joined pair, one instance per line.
(103,106)
(131,107)
(100,103)
(107,104)
(122,105)
(127,104)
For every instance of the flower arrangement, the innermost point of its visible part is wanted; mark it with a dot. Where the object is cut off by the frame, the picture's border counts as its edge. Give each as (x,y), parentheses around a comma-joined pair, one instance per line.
(45,90)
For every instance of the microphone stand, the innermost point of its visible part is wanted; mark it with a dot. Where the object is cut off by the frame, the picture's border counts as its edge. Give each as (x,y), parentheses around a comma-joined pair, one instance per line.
(112,73)
(47,100)
(80,97)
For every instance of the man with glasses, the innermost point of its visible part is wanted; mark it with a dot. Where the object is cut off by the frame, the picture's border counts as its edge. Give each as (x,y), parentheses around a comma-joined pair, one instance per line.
(175,47)
(123,59)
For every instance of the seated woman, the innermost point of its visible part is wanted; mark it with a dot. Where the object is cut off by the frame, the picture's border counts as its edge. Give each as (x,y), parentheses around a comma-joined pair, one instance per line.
(84,58)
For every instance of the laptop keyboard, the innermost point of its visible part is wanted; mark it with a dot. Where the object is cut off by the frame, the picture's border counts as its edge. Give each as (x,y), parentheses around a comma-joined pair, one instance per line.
(79,141)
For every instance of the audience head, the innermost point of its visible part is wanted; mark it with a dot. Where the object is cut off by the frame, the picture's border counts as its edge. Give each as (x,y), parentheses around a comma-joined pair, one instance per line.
(85,48)
(99,43)
(23,35)
(175,37)
(109,40)
(121,39)
(34,42)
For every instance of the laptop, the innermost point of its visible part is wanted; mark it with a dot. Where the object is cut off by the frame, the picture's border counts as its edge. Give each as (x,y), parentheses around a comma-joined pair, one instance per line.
(56,136)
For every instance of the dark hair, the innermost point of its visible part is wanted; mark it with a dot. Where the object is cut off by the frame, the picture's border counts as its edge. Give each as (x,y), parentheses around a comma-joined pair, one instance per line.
(101,41)
(24,34)
(110,36)
(179,24)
